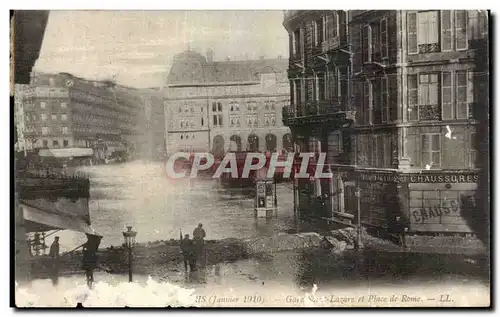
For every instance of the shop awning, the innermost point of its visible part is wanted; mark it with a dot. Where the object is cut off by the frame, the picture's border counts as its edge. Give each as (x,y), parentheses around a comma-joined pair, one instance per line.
(40,220)
(68,152)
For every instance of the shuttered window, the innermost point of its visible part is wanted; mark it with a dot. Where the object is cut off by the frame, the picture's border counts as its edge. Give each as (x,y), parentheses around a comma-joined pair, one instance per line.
(366,43)
(412,98)
(367,102)
(448,112)
(470,95)
(384,99)
(446,30)
(412,32)
(461,29)
(384,40)
(334,146)
(461,95)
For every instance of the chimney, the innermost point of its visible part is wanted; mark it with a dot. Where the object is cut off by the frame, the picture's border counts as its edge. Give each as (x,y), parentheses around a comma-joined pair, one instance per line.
(279,56)
(210,55)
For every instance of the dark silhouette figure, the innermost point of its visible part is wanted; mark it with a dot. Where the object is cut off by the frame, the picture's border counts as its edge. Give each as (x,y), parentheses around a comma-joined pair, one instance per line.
(401,227)
(89,259)
(54,261)
(189,253)
(199,236)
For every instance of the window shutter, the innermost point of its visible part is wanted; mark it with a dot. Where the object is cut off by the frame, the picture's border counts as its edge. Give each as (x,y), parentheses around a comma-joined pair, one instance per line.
(446,30)
(461,95)
(366,44)
(412,98)
(384,43)
(412,32)
(384,100)
(461,29)
(335,24)
(392,96)
(446,96)
(470,94)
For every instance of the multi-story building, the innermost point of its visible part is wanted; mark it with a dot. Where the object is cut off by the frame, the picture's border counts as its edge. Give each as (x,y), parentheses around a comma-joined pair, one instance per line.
(63,111)
(219,106)
(19,117)
(417,82)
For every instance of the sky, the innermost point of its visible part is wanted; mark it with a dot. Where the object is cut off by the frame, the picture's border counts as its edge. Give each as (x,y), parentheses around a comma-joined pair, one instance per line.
(136,47)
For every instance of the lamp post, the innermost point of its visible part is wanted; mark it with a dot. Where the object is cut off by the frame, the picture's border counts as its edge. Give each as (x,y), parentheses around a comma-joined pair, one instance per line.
(129,237)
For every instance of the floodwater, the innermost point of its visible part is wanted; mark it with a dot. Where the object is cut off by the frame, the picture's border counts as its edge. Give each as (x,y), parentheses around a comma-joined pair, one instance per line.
(139,194)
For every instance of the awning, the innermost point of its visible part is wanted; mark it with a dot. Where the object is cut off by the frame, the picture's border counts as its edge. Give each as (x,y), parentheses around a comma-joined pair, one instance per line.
(51,221)
(68,152)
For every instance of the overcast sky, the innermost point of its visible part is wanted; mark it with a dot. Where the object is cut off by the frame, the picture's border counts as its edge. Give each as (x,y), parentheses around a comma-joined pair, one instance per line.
(137,46)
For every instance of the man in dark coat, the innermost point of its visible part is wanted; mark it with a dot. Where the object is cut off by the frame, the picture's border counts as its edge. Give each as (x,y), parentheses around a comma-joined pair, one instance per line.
(189,253)
(54,261)
(401,225)
(89,260)
(199,236)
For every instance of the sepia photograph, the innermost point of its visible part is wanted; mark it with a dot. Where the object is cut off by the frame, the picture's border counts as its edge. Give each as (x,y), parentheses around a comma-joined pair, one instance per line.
(250,158)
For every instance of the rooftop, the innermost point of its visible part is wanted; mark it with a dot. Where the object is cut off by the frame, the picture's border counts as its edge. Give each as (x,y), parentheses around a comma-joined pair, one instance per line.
(191,68)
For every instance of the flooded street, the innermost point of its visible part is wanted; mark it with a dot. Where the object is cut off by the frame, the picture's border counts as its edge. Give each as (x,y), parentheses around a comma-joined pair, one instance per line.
(139,194)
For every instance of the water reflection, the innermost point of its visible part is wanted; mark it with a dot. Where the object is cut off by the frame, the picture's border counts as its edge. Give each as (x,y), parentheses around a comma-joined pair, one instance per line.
(139,194)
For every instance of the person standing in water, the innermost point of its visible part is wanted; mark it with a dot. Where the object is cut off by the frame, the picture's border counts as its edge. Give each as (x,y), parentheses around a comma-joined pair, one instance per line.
(199,236)
(54,260)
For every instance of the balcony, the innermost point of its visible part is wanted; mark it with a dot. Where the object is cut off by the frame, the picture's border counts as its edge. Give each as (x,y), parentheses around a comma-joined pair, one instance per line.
(322,112)
(330,44)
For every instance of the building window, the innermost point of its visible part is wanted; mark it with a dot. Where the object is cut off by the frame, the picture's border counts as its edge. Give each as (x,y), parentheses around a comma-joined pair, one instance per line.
(461,95)
(384,99)
(412,33)
(472,150)
(45,130)
(180,109)
(65,130)
(320,87)
(296,39)
(43,105)
(252,121)
(64,105)
(334,84)
(448,112)
(202,122)
(366,43)
(446,30)
(461,29)
(43,116)
(334,146)
(65,143)
(55,143)
(335,24)
(54,117)
(384,39)
(234,121)
(217,120)
(45,143)
(428,32)
(367,102)
(426,105)
(318,32)
(219,107)
(431,150)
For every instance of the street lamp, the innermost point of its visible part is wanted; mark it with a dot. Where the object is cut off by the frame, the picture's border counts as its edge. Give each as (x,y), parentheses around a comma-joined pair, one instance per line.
(129,237)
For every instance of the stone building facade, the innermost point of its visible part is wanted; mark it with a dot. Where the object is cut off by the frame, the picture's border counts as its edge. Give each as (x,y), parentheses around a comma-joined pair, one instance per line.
(64,111)
(416,96)
(220,106)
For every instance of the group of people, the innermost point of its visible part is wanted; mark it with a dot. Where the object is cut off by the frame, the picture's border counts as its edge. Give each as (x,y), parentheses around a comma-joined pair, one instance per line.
(89,258)
(192,249)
